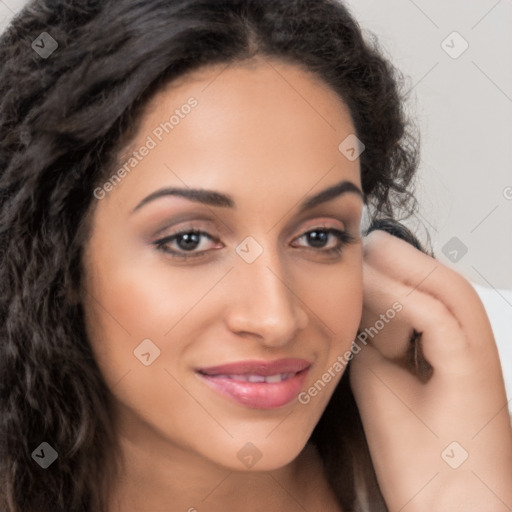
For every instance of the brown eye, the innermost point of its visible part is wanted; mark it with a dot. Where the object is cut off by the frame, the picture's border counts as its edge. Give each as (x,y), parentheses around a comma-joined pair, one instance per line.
(185,242)
(319,237)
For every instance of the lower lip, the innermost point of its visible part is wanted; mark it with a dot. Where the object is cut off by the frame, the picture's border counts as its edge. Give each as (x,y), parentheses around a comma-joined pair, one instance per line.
(259,395)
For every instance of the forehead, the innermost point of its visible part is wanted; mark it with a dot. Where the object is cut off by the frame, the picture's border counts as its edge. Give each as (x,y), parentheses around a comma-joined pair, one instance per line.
(252,123)
(259,81)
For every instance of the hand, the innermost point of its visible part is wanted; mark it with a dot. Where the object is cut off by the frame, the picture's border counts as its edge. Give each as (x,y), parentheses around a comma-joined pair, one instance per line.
(429,386)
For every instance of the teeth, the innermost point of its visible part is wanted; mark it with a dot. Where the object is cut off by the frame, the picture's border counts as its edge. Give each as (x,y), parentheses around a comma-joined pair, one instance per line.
(256,378)
(260,378)
(275,378)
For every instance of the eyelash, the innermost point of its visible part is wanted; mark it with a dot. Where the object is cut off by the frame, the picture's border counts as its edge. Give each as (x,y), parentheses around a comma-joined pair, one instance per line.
(343,237)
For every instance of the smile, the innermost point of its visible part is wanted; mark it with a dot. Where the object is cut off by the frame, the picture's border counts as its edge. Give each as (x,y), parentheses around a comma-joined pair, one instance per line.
(259,378)
(259,385)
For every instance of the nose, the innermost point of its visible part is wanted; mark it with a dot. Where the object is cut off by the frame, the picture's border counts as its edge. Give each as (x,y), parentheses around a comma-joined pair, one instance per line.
(263,303)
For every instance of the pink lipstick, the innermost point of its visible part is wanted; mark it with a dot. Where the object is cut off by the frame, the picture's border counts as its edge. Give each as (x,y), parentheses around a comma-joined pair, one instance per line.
(258,384)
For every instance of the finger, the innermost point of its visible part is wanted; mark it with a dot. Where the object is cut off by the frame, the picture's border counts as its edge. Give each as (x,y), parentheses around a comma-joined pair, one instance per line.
(398,259)
(444,343)
(382,311)
(388,397)
(370,365)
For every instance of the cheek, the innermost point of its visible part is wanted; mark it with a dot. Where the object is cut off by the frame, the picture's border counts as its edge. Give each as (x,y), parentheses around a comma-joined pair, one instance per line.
(338,306)
(128,303)
(336,300)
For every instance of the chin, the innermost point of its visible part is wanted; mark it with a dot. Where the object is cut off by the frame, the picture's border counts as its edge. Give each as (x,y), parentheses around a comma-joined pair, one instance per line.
(263,455)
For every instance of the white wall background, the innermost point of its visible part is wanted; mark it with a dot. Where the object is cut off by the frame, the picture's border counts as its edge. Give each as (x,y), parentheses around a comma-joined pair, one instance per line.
(7,10)
(464,108)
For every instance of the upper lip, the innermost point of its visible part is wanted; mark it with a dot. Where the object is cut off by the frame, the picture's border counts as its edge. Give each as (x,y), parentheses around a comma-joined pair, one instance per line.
(263,368)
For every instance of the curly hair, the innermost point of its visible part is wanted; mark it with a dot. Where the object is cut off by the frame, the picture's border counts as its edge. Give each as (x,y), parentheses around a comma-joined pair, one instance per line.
(63,121)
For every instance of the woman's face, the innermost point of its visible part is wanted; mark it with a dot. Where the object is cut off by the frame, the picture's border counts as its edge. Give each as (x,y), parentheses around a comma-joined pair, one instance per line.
(263,281)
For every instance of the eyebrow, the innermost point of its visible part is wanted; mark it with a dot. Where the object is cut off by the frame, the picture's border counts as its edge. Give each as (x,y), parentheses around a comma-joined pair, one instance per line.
(213,198)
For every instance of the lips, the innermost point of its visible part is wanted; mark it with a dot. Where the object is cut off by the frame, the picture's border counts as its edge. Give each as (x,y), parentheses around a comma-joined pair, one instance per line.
(263,368)
(258,384)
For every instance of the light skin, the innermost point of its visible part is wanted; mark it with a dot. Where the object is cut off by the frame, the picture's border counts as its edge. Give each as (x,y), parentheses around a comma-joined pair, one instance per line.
(252,135)
(267,134)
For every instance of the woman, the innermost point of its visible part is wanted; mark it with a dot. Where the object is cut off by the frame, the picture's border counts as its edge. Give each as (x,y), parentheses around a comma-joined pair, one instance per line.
(178,322)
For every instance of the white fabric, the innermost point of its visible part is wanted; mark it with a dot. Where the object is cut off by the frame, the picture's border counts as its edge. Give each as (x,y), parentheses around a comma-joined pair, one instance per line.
(498,305)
